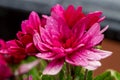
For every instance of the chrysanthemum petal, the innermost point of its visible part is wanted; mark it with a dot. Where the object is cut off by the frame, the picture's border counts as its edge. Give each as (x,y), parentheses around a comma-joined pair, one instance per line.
(35,20)
(104,29)
(103,53)
(91,55)
(46,55)
(79,28)
(77,59)
(33,23)
(95,40)
(36,38)
(92,65)
(91,33)
(57,11)
(54,67)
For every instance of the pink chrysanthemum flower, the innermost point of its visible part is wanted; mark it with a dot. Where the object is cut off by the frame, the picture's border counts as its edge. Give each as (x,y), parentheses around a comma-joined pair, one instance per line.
(70,39)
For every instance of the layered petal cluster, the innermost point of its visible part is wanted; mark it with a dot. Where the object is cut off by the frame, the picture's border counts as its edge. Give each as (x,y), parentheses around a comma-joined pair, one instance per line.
(18,49)
(71,15)
(70,36)
(26,35)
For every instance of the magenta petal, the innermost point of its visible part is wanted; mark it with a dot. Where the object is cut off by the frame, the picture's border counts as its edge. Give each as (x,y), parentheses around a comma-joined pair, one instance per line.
(34,19)
(2,44)
(54,67)
(46,55)
(79,28)
(94,29)
(104,29)
(101,19)
(30,49)
(95,40)
(93,65)
(96,13)
(77,59)
(5,70)
(43,47)
(33,23)
(39,44)
(57,10)
(45,35)
(55,54)
(36,38)
(91,33)
(27,27)
(103,53)
(23,26)
(91,55)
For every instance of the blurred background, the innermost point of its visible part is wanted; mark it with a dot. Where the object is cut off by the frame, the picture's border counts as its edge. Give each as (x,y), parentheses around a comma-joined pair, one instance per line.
(12,12)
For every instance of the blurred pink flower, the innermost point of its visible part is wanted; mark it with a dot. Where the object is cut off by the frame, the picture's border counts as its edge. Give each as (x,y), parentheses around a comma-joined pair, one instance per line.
(4,51)
(16,51)
(5,71)
(24,68)
(13,51)
(69,38)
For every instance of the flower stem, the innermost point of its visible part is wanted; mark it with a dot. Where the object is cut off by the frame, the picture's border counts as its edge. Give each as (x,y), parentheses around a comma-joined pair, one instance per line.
(68,71)
(41,77)
(86,73)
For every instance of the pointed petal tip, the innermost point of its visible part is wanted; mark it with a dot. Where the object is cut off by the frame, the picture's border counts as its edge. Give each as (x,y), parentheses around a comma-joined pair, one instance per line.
(103,53)
(101,19)
(98,13)
(108,53)
(33,13)
(57,6)
(104,29)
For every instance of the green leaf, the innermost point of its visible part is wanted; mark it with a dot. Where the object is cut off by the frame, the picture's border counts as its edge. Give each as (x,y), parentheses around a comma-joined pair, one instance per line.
(108,75)
(79,75)
(89,76)
(35,73)
(47,77)
(115,74)
(78,70)
(62,75)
